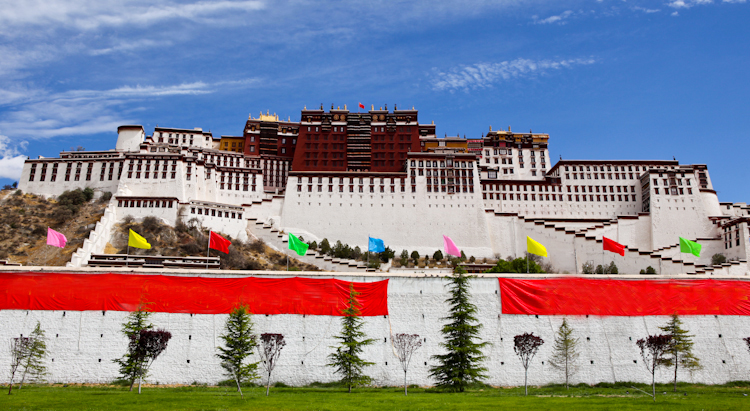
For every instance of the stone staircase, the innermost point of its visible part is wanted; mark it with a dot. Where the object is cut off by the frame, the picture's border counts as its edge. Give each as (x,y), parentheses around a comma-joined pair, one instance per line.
(665,255)
(278,240)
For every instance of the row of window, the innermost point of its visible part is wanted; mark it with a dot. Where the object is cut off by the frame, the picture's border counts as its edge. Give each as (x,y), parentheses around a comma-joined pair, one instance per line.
(609,168)
(443,163)
(558,197)
(145,203)
(598,176)
(674,191)
(68,169)
(215,213)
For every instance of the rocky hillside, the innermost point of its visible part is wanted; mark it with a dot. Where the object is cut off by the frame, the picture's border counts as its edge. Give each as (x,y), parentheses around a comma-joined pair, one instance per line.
(24,219)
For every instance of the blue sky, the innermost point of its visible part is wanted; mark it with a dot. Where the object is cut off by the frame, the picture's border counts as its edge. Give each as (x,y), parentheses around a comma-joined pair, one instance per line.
(606,79)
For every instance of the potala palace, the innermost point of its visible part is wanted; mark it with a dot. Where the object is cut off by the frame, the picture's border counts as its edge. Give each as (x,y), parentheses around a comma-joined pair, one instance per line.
(344,175)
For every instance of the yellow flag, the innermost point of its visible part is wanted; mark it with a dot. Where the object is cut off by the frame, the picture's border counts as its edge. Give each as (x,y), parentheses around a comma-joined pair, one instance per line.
(535,248)
(135,240)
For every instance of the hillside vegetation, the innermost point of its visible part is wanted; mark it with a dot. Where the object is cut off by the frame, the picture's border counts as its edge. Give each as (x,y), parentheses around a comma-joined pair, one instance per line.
(24,219)
(191,239)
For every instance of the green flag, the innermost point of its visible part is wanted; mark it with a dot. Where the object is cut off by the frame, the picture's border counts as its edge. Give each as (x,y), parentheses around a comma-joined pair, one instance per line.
(298,246)
(687,246)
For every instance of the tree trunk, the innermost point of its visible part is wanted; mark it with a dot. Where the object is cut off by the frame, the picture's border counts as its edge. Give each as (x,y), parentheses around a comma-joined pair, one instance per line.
(566,372)
(525,379)
(653,383)
(132,382)
(675,373)
(350,388)
(268,384)
(405,393)
(140,379)
(237,380)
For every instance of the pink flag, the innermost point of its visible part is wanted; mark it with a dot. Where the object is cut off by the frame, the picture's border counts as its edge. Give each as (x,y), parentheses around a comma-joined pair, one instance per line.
(450,247)
(56,239)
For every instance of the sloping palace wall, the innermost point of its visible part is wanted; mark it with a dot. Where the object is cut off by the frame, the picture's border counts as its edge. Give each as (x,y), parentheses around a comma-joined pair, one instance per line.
(83,314)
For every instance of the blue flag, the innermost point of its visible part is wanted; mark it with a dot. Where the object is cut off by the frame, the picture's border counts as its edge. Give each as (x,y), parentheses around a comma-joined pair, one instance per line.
(375,245)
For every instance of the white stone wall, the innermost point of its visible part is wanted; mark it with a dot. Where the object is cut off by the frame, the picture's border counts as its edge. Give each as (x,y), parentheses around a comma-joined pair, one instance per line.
(77,341)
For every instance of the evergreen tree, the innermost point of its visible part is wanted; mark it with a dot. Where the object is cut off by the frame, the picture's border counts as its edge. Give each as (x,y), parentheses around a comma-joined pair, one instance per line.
(325,246)
(461,365)
(239,342)
(131,365)
(33,365)
(437,256)
(346,359)
(415,257)
(565,351)
(404,257)
(681,350)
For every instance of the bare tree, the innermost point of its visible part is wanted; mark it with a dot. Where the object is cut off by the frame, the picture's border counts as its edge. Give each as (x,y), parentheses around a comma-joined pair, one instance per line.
(405,345)
(654,350)
(565,351)
(526,346)
(271,345)
(19,349)
(148,347)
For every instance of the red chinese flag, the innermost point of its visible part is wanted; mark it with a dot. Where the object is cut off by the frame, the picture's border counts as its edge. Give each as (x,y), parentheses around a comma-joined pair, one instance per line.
(614,246)
(361,105)
(218,242)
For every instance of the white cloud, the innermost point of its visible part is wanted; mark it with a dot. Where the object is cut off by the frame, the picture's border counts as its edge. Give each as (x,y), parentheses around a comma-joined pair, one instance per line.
(645,10)
(484,75)
(93,14)
(554,19)
(126,46)
(11,161)
(686,4)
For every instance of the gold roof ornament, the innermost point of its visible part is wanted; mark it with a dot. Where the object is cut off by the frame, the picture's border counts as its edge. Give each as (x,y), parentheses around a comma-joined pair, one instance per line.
(345,107)
(490,128)
(372,107)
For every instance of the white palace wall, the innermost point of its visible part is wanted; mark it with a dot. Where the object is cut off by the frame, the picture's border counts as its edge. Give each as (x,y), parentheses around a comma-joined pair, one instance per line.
(83,344)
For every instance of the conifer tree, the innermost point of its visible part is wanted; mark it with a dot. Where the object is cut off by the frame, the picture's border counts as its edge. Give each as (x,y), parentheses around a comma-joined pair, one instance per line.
(33,364)
(346,359)
(131,364)
(239,343)
(681,350)
(461,365)
(565,351)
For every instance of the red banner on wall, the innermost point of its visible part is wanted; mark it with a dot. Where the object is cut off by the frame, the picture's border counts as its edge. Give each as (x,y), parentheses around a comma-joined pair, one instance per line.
(580,296)
(197,295)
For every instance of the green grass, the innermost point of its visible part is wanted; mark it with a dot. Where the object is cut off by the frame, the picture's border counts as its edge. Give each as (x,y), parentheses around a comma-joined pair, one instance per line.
(602,397)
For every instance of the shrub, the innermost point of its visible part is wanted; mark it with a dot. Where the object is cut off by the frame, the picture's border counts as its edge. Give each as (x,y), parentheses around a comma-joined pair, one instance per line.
(88,193)
(472,259)
(106,196)
(314,245)
(650,270)
(438,256)
(61,215)
(18,193)
(516,266)
(258,246)
(588,267)
(415,256)
(151,224)
(718,259)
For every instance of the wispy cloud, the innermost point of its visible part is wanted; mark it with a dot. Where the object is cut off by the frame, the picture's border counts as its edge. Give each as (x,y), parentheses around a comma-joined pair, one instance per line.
(93,14)
(553,19)
(646,10)
(484,75)
(129,46)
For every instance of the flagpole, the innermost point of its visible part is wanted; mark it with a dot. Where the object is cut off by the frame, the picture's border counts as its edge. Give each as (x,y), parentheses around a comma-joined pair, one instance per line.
(527,261)
(208,250)
(127,253)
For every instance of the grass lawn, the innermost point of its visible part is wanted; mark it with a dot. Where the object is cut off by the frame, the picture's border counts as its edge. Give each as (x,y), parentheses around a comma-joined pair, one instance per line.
(76,397)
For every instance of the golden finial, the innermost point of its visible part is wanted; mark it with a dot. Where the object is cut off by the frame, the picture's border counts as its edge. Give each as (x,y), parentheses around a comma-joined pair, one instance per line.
(345,107)
(372,107)
(412,107)
(490,128)
(305,107)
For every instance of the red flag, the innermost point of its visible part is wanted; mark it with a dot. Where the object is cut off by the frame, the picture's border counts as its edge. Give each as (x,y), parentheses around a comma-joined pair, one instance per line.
(613,246)
(218,242)
(361,105)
